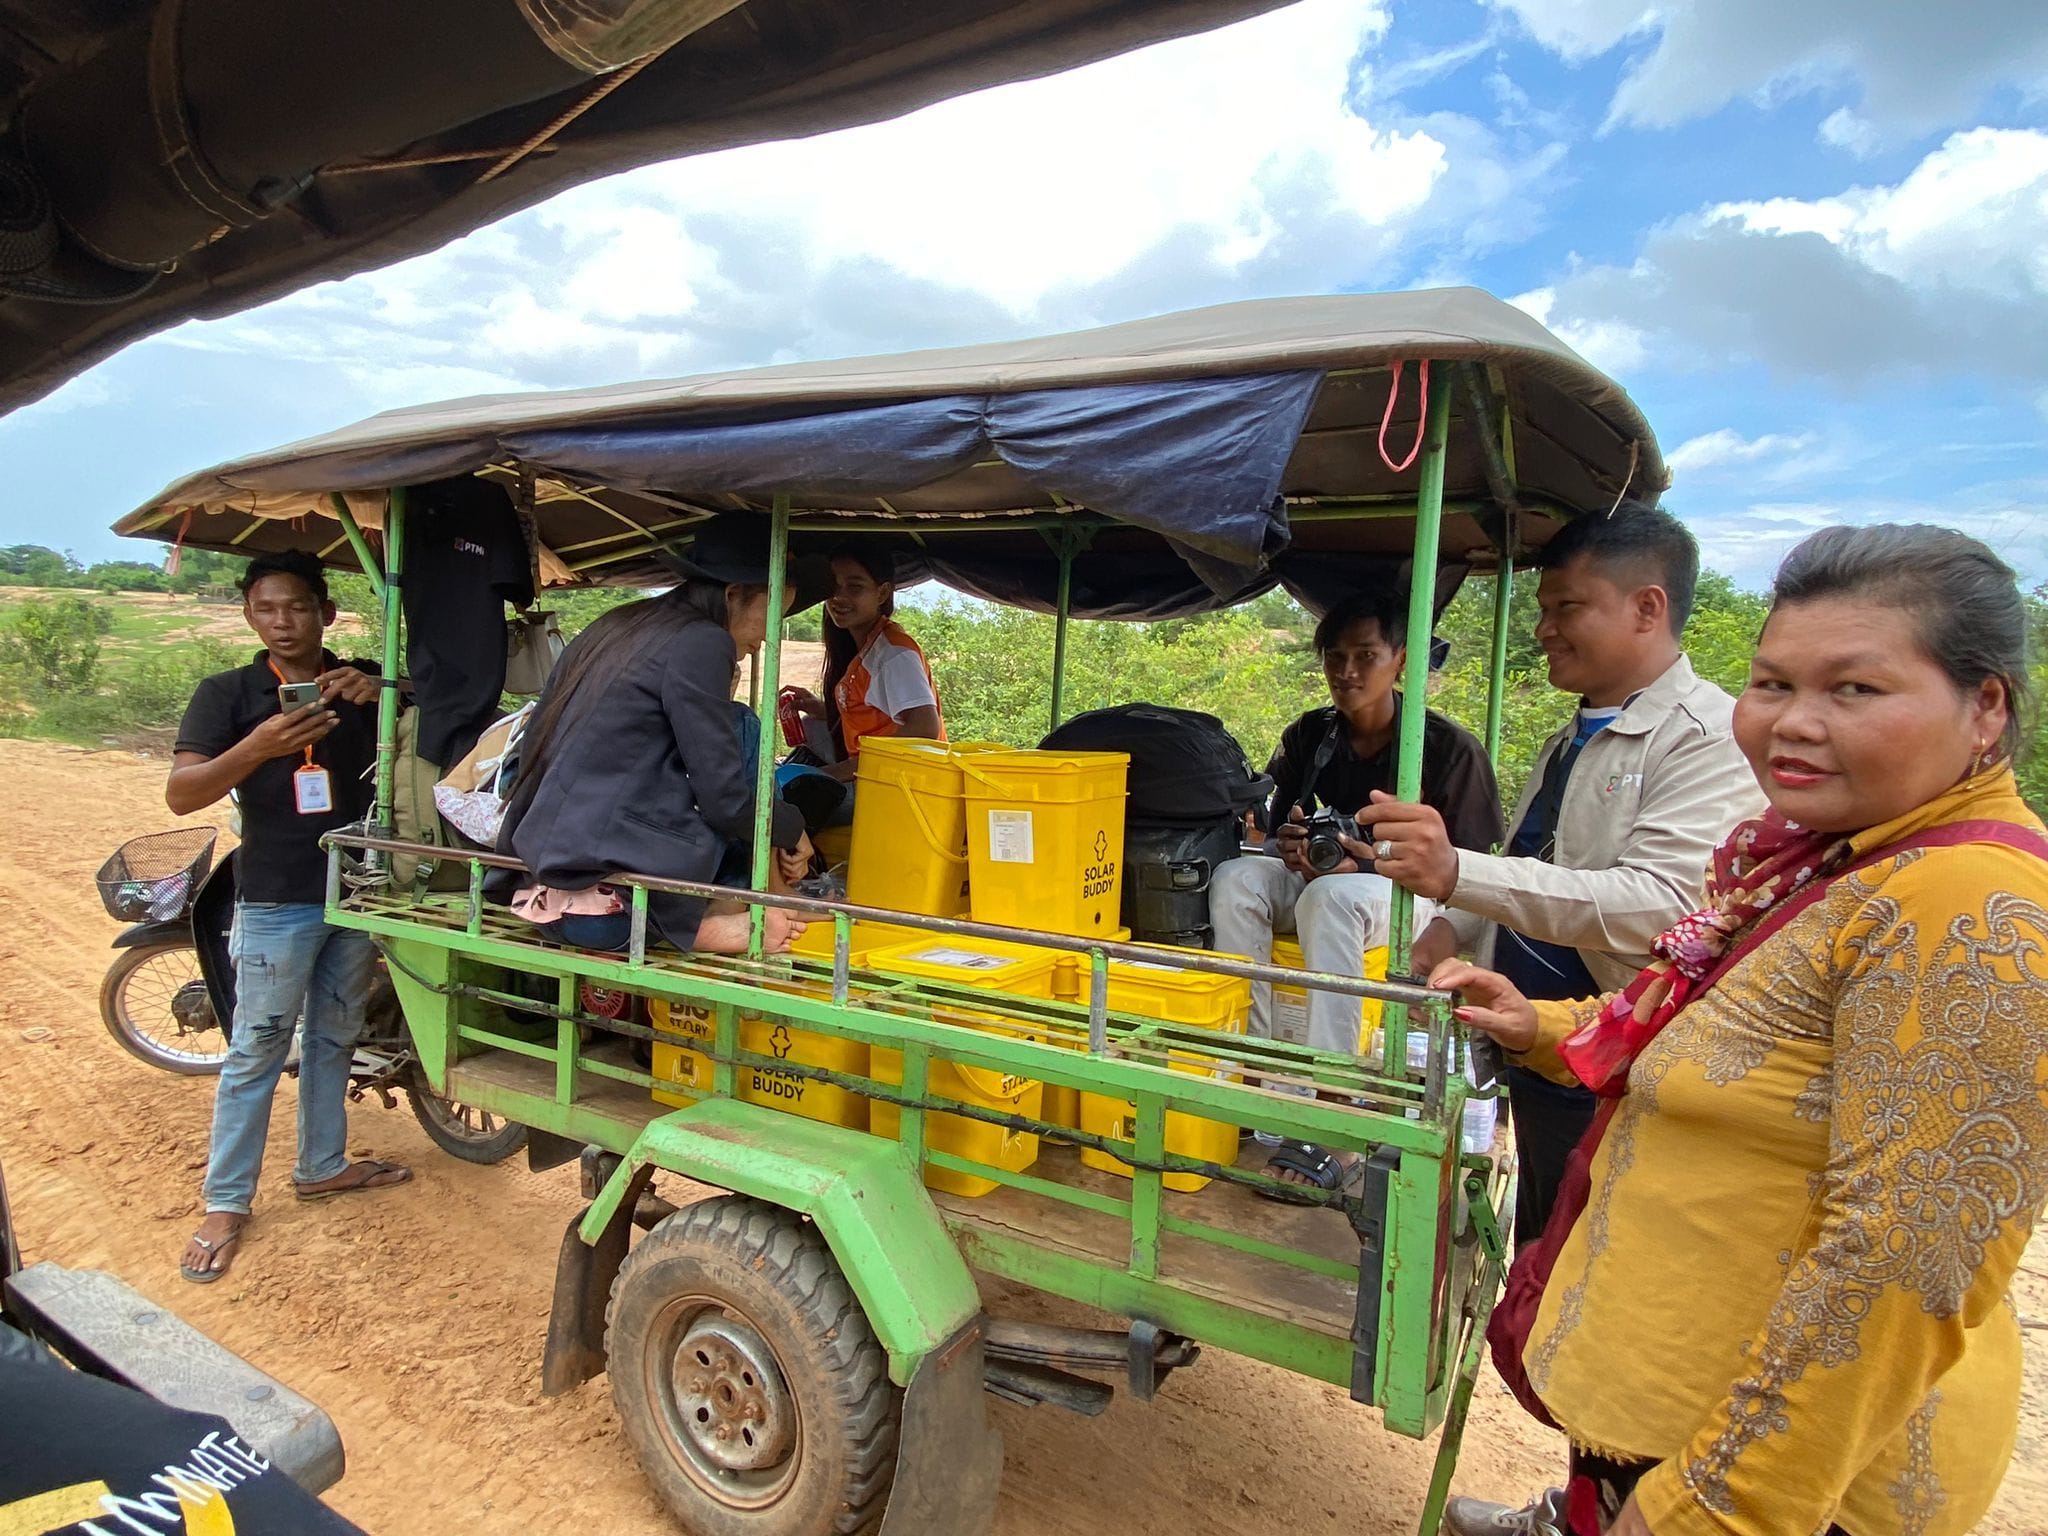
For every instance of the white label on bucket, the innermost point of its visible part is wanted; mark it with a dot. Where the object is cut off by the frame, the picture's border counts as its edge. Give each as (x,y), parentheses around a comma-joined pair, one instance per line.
(1009,837)
(1290,1016)
(960,959)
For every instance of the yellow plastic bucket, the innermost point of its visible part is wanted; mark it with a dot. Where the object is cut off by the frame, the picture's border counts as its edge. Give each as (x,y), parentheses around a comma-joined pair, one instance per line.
(815,942)
(1063,1104)
(996,967)
(692,1069)
(1160,990)
(1290,1004)
(1045,839)
(909,848)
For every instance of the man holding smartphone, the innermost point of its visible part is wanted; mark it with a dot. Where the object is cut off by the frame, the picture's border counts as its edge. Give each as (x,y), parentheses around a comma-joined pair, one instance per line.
(293,735)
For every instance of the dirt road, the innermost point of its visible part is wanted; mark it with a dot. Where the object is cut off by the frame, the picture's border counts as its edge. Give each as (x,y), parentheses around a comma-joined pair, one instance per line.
(416,1317)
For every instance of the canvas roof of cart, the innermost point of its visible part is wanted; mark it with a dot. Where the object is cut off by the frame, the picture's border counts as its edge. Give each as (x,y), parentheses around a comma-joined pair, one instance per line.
(166,160)
(1191,460)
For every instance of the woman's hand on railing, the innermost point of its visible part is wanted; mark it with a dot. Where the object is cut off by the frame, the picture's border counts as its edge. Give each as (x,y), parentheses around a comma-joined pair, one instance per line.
(1490,1003)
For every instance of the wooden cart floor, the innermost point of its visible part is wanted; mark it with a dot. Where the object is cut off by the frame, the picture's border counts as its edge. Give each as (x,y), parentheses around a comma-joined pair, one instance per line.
(1263,1286)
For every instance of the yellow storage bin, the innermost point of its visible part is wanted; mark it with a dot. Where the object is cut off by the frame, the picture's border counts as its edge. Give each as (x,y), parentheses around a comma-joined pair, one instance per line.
(834,845)
(1290,1004)
(909,848)
(1161,990)
(809,1097)
(1063,1104)
(815,942)
(1045,839)
(996,967)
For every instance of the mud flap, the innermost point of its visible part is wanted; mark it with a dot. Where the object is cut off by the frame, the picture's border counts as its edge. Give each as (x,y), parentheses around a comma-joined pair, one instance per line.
(949,1458)
(583,1287)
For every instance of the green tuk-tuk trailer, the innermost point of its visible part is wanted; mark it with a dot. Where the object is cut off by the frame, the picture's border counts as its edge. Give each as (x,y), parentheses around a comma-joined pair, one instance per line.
(808,1353)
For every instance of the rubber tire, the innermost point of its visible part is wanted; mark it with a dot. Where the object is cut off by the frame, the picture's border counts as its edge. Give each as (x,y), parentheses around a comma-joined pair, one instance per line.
(484,1151)
(117,1021)
(775,1268)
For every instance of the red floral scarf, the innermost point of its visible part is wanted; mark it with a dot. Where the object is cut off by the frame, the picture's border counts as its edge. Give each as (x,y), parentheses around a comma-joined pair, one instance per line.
(1760,864)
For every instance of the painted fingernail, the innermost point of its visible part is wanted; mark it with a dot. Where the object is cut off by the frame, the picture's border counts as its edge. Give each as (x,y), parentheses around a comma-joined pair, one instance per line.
(1462,1015)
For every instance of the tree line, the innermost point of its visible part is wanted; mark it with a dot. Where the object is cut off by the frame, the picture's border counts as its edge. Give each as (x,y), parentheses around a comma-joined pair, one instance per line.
(1252,666)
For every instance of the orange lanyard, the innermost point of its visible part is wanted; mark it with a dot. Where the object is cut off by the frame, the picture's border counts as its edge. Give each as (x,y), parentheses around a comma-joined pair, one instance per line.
(271,663)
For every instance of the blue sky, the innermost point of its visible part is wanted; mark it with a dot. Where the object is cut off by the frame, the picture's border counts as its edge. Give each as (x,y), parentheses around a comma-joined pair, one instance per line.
(1810,237)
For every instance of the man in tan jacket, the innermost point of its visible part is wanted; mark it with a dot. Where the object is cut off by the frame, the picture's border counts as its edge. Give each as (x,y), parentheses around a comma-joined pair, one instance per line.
(1622,810)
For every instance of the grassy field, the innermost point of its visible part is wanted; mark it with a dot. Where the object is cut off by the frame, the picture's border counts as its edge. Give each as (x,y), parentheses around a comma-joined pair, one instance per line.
(156,648)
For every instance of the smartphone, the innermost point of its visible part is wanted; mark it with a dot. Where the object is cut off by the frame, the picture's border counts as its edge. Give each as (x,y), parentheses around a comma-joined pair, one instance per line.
(296,696)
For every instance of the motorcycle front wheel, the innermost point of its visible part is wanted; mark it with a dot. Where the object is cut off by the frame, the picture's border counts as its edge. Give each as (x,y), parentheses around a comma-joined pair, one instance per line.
(154,1001)
(462,1130)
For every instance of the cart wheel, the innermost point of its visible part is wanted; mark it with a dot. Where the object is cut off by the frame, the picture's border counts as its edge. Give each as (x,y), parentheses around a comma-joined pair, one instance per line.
(748,1378)
(462,1130)
(155,1003)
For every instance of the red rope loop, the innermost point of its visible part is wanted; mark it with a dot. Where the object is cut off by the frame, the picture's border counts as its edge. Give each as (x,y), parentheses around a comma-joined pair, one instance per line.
(1421,416)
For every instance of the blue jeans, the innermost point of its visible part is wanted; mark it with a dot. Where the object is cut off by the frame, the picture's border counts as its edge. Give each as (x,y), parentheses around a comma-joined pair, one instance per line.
(288,961)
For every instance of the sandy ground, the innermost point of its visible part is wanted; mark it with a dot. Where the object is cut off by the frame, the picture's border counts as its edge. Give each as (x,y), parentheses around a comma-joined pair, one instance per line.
(416,1317)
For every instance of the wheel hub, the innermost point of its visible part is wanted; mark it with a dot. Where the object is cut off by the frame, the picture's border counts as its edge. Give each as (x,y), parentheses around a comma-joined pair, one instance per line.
(732,1403)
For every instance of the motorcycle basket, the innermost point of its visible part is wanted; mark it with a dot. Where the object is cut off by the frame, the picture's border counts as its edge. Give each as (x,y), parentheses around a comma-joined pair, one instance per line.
(154,878)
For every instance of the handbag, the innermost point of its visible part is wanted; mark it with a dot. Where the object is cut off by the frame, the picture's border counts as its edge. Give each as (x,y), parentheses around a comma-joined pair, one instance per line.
(533,644)
(1514,1317)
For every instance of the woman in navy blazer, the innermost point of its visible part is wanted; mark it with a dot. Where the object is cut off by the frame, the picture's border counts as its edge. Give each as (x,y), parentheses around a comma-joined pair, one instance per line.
(632,763)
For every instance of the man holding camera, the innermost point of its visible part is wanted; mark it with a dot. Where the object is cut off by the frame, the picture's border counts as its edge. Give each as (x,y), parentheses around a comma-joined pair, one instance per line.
(1330,761)
(293,736)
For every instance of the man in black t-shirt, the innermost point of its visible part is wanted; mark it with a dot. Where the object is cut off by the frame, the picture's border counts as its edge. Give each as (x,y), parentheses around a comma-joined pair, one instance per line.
(1336,757)
(296,775)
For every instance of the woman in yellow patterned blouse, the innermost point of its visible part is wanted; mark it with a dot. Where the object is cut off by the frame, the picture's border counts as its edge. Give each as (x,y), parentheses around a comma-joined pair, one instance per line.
(1783,1309)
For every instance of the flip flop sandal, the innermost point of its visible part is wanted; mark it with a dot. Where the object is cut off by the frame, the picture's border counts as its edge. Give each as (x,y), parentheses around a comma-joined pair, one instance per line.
(215,1249)
(1325,1172)
(368,1174)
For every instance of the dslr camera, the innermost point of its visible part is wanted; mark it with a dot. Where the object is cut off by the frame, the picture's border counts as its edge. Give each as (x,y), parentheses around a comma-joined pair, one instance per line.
(1323,850)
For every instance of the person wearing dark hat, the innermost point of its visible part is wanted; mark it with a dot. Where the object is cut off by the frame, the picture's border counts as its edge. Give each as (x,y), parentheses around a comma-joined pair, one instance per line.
(632,762)
(877,682)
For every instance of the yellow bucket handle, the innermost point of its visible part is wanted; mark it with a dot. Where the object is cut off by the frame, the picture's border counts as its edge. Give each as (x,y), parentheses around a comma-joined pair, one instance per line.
(926,830)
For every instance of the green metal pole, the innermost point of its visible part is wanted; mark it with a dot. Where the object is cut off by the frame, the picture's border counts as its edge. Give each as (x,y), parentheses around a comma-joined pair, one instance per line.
(1059,632)
(1503,601)
(1429,506)
(359,544)
(387,696)
(770,675)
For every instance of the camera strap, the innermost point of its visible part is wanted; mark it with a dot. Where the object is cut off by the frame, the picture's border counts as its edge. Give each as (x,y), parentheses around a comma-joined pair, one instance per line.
(1326,749)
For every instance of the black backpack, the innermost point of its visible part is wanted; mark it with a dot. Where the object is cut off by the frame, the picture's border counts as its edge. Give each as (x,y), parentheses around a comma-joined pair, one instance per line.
(1186,768)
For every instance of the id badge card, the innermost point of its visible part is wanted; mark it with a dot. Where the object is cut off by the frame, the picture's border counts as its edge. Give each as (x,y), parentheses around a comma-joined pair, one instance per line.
(313,790)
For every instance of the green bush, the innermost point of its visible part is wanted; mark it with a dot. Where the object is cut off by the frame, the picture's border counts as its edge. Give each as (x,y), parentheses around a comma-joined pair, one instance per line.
(50,647)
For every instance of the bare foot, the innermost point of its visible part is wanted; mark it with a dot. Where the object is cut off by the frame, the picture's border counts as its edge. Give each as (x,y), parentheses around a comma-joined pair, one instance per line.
(727,933)
(213,1247)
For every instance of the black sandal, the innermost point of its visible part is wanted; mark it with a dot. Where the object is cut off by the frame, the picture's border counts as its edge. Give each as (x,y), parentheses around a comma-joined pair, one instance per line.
(1323,1171)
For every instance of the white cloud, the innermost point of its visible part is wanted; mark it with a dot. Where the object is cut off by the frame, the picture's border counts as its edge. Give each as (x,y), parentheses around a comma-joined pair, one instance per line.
(1857,136)
(1944,273)
(1727,447)
(1613,346)
(1746,539)
(1918,67)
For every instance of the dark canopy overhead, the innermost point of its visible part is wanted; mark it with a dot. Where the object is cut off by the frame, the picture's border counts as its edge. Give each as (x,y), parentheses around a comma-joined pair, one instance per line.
(166,159)
(1191,460)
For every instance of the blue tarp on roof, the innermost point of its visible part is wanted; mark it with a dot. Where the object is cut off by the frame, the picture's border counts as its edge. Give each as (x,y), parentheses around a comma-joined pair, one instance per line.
(1197,461)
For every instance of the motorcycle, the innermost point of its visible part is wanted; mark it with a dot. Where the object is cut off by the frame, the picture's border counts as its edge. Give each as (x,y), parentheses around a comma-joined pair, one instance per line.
(172,986)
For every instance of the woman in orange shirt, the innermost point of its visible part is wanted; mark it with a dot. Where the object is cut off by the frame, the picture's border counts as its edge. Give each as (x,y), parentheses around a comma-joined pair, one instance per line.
(877,682)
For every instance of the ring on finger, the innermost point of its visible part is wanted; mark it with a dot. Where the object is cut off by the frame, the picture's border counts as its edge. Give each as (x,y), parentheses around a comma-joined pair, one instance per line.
(1383,849)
